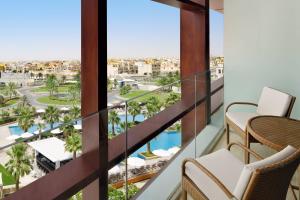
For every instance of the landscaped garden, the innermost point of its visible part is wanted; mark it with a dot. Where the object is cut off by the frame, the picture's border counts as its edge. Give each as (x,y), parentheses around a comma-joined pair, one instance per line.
(7,178)
(56,101)
(60,89)
(134,93)
(60,92)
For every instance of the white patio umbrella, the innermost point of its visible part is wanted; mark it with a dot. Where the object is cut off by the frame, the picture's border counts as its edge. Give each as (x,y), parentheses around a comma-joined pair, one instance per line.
(109,104)
(26,135)
(56,131)
(13,137)
(114,170)
(65,109)
(135,162)
(38,131)
(161,153)
(78,126)
(40,111)
(173,150)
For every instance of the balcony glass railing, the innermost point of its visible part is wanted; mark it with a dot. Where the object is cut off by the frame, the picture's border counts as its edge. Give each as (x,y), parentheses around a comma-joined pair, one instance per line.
(148,136)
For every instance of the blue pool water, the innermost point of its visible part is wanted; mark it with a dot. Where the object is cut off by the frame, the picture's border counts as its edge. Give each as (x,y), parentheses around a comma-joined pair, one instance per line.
(165,140)
(16,130)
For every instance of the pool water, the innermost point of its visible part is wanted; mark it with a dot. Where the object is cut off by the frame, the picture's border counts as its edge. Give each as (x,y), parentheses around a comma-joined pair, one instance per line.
(16,130)
(165,140)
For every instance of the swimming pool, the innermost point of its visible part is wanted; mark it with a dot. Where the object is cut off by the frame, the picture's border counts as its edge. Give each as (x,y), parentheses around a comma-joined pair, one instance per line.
(16,130)
(165,140)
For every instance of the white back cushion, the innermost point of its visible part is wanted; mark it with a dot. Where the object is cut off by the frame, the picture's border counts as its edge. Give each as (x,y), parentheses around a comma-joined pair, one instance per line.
(246,174)
(273,102)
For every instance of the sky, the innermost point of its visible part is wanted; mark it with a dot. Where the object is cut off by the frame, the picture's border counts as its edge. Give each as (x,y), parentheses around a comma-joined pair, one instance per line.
(50,29)
(39,29)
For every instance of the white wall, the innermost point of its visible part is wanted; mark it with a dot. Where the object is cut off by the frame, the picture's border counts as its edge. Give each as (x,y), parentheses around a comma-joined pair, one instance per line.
(262,48)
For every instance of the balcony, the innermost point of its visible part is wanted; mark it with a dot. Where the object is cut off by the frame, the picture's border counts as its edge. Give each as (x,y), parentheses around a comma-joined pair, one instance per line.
(199,110)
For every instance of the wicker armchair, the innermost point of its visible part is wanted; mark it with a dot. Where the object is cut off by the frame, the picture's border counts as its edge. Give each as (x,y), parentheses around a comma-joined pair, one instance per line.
(220,176)
(271,102)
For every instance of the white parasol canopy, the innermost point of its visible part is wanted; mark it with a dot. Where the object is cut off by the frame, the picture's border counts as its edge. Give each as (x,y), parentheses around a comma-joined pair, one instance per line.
(26,135)
(173,150)
(56,131)
(13,137)
(40,111)
(114,170)
(65,109)
(161,153)
(38,131)
(109,104)
(78,126)
(135,162)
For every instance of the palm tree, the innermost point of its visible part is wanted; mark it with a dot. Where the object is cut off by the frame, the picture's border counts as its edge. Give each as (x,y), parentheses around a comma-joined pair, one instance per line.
(68,127)
(51,115)
(51,84)
(134,109)
(25,118)
(40,75)
(115,83)
(11,89)
(75,113)
(40,127)
(24,100)
(73,143)
(19,163)
(2,100)
(172,99)
(114,119)
(74,93)
(123,125)
(63,79)
(153,106)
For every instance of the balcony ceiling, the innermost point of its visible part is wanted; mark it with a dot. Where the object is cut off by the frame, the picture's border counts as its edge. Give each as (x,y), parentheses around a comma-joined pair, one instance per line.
(217,5)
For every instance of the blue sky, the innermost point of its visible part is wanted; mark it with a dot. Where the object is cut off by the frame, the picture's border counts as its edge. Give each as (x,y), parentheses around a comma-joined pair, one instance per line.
(45,30)
(39,29)
(144,28)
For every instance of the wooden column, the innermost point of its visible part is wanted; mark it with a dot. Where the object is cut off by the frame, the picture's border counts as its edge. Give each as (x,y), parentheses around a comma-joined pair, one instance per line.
(194,59)
(94,91)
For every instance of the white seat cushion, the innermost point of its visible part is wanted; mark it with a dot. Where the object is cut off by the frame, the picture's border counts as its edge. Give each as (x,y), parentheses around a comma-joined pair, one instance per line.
(240,118)
(273,102)
(223,165)
(250,168)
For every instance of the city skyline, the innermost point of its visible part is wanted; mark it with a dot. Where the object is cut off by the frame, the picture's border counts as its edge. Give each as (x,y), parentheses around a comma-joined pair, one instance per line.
(53,32)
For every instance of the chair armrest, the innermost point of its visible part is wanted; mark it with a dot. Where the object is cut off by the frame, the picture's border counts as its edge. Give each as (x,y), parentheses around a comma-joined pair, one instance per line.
(258,157)
(240,103)
(210,175)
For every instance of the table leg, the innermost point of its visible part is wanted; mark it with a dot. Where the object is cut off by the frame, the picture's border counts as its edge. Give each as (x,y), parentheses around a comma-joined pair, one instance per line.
(247,144)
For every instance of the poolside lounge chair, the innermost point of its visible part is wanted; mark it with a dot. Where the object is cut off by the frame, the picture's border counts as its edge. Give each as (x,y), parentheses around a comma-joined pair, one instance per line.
(271,102)
(221,176)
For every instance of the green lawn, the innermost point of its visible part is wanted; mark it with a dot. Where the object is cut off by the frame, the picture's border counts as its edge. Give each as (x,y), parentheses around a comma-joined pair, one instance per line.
(55,101)
(9,103)
(162,96)
(7,178)
(61,89)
